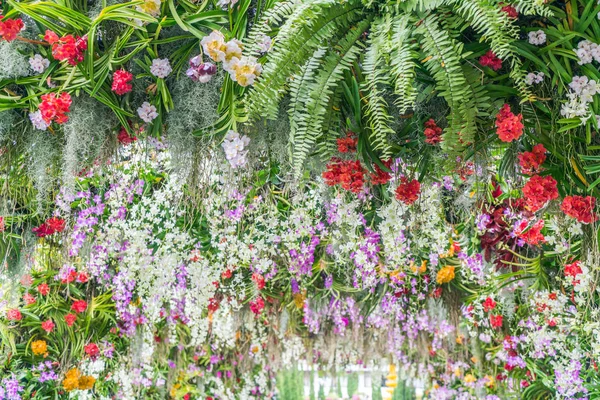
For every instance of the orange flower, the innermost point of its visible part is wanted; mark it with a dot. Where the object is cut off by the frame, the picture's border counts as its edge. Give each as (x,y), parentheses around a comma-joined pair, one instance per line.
(445,274)
(39,347)
(71,381)
(86,382)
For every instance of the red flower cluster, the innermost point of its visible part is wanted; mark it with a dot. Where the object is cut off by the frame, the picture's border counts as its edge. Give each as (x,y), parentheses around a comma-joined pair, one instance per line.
(381,177)
(347,144)
(496,321)
(124,137)
(509,125)
(43,289)
(14,315)
(121,79)
(531,235)
(489,59)
(2,226)
(581,208)
(51,226)
(91,349)
(79,306)
(538,191)
(257,305)
(48,326)
(510,11)
(259,280)
(531,161)
(489,304)
(573,269)
(68,47)
(408,192)
(70,319)
(433,133)
(10,28)
(350,174)
(54,108)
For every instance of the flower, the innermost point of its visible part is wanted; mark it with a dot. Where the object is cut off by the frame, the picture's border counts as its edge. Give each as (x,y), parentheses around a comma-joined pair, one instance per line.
(537,38)
(531,161)
(581,208)
(124,138)
(39,63)
(10,28)
(408,191)
(432,132)
(348,143)
(259,280)
(489,59)
(51,226)
(121,79)
(48,326)
(445,274)
(91,349)
(161,68)
(350,174)
(86,382)
(2,227)
(29,299)
(257,305)
(510,11)
(235,146)
(199,71)
(79,306)
(534,77)
(38,121)
(214,46)
(150,7)
(82,277)
(531,235)
(538,191)
(147,112)
(244,70)
(573,269)
(69,47)
(381,177)
(70,319)
(14,315)
(489,304)
(55,108)
(496,321)
(39,347)
(71,381)
(509,126)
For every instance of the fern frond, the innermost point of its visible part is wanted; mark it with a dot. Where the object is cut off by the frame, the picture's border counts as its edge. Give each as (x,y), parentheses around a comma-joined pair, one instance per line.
(533,7)
(402,61)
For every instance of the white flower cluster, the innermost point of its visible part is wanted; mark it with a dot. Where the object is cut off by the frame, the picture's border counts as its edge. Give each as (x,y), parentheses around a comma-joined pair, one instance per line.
(235,147)
(534,78)
(161,67)
(242,69)
(39,63)
(587,52)
(580,96)
(537,38)
(37,120)
(227,3)
(147,112)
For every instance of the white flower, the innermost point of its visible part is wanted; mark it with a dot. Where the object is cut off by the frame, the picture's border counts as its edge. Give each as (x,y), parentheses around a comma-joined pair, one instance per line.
(233,52)
(39,63)
(264,43)
(214,45)
(587,52)
(537,38)
(234,146)
(147,112)
(245,70)
(161,68)
(534,77)
(37,120)
(226,3)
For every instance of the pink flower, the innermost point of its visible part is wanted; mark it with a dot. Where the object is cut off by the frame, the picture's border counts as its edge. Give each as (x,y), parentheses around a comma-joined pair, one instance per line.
(79,306)
(257,305)
(91,349)
(28,298)
(14,315)
(43,289)
(48,326)
(70,319)
(121,79)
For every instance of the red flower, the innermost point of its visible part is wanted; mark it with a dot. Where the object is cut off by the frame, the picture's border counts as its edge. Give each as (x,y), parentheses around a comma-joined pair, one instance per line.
(226,274)
(259,280)
(48,326)
(350,174)
(43,230)
(257,305)
(68,47)
(91,349)
(573,269)
(538,191)
(531,235)
(408,192)
(511,12)
(125,139)
(121,79)
(82,277)
(43,289)
(70,319)
(213,304)
(581,208)
(347,144)
(489,304)
(433,133)
(496,321)
(489,59)
(2,224)
(187,396)
(54,108)
(381,177)
(79,306)
(51,226)
(10,28)
(531,161)
(509,126)
(14,315)
(28,298)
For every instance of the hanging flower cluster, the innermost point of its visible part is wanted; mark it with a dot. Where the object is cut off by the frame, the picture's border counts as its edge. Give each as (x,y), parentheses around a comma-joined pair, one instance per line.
(347,173)
(531,161)
(200,71)
(408,191)
(121,79)
(10,28)
(347,144)
(242,69)
(490,59)
(51,226)
(581,208)
(235,147)
(538,191)
(433,133)
(54,108)
(68,47)
(509,126)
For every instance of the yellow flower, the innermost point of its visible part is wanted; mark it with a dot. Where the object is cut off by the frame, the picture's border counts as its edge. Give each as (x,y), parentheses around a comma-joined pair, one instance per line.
(445,274)
(71,381)
(214,45)
(469,378)
(39,347)
(457,372)
(86,382)
(459,339)
(490,381)
(244,70)
(299,300)
(151,7)
(420,269)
